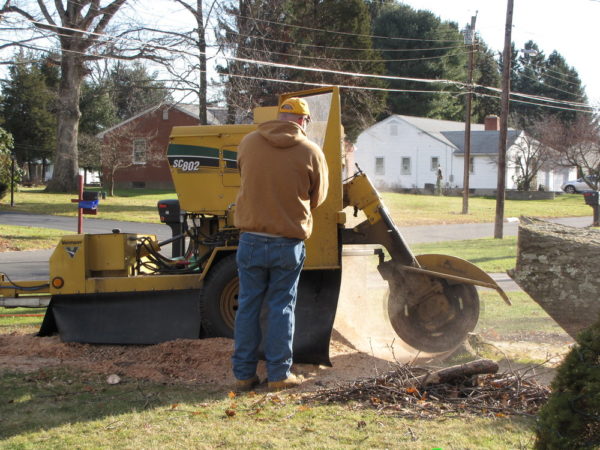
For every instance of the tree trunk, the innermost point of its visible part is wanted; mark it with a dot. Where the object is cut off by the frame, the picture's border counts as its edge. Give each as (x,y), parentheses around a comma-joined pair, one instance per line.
(66,168)
(557,266)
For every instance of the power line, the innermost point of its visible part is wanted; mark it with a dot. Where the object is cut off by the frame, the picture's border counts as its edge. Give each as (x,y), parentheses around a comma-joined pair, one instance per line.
(345,48)
(371,36)
(461,85)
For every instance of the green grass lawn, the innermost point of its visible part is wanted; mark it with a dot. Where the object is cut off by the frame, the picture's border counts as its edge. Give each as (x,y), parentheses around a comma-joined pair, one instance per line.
(134,205)
(139,205)
(489,254)
(408,209)
(17,238)
(65,409)
(524,315)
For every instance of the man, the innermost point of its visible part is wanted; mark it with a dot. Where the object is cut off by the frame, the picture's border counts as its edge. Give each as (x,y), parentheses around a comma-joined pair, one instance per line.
(283,177)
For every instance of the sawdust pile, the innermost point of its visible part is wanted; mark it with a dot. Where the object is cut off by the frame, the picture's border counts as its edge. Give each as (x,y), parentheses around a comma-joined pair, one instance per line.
(198,361)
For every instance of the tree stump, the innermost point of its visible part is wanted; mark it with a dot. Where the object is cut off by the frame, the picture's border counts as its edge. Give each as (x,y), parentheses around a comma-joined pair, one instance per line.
(559,267)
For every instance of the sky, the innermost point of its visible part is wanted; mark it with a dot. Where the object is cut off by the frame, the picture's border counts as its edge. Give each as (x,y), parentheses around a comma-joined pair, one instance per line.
(567,26)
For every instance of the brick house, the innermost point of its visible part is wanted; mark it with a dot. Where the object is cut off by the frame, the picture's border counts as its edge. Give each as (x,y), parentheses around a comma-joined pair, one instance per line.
(138,145)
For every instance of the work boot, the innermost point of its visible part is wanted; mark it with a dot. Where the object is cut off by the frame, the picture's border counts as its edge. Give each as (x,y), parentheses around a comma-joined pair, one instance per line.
(290,382)
(246,385)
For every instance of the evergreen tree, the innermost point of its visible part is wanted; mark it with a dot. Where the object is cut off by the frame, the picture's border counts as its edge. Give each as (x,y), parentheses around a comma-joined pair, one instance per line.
(436,52)
(571,418)
(548,77)
(97,113)
(289,32)
(487,73)
(252,30)
(132,89)
(347,51)
(28,108)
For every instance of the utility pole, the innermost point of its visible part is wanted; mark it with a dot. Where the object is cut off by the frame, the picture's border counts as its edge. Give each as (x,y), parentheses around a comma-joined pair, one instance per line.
(501,186)
(470,42)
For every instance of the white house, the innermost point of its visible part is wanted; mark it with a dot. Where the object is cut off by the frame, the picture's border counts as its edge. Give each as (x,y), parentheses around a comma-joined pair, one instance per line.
(406,152)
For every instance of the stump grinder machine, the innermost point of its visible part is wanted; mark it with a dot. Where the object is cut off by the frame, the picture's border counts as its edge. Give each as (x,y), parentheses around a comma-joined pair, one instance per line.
(118,288)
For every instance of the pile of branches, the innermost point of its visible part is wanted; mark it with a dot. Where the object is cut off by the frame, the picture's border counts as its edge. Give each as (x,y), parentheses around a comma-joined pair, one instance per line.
(471,388)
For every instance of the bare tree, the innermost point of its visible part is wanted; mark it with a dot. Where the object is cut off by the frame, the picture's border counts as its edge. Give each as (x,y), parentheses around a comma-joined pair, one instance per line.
(79,27)
(118,151)
(577,144)
(531,156)
(194,75)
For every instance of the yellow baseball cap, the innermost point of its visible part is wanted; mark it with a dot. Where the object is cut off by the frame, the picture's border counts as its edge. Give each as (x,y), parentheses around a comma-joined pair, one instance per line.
(295,105)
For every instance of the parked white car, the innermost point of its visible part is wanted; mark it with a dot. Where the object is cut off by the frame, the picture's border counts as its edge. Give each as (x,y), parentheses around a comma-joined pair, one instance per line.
(578,185)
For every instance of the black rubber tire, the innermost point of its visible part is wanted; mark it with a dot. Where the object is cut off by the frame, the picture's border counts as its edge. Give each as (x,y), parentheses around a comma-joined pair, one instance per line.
(219,298)
(463,302)
(570,189)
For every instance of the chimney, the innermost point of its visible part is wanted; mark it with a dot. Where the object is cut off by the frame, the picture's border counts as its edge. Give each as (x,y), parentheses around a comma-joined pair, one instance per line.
(492,123)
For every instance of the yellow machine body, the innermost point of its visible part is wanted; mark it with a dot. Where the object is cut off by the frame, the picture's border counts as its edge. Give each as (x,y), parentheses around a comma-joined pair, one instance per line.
(104,263)
(118,288)
(203,165)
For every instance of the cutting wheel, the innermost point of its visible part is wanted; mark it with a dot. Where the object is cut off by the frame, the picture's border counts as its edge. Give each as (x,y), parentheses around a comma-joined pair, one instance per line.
(437,322)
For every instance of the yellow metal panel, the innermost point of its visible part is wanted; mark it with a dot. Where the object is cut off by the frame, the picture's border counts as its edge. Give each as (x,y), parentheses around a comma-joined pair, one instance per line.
(144,283)
(110,251)
(69,263)
(202,178)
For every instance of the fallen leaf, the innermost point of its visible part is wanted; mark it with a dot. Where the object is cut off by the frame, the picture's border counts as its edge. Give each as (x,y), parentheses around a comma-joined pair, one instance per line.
(174,405)
(230,412)
(231,394)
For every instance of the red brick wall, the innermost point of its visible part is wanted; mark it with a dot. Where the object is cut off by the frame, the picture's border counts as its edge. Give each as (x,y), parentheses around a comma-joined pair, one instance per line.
(153,127)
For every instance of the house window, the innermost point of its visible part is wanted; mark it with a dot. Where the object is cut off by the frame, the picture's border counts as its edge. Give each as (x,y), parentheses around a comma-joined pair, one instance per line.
(393,129)
(405,166)
(165,114)
(379,166)
(435,163)
(139,151)
(471,165)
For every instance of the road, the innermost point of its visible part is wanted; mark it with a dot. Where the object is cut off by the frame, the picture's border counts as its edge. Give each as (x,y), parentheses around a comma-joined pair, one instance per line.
(33,265)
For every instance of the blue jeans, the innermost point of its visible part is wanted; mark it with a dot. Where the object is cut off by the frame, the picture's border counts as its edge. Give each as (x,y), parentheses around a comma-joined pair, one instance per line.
(269,269)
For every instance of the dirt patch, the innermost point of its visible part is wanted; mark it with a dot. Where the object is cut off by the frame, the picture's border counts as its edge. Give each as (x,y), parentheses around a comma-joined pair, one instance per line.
(6,246)
(207,361)
(363,345)
(198,361)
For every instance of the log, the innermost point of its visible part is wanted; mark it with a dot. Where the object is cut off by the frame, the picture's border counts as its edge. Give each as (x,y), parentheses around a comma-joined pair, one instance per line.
(458,372)
(558,266)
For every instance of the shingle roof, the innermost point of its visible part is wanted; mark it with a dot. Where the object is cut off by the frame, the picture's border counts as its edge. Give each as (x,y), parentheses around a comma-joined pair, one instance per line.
(452,133)
(214,115)
(436,127)
(482,142)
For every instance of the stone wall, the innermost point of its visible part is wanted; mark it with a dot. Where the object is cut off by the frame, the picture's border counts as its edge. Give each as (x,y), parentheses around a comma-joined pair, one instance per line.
(559,267)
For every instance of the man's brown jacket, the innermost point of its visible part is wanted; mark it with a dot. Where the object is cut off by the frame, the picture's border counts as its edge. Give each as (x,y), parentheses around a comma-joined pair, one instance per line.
(284,176)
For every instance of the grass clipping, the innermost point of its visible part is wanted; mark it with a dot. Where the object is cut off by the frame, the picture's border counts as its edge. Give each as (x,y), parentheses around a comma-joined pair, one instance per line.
(469,388)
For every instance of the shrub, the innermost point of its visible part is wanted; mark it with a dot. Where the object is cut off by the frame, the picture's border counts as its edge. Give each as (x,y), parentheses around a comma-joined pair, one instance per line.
(571,418)
(6,144)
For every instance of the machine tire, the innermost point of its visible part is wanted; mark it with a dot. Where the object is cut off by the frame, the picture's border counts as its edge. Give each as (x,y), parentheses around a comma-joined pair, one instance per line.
(570,189)
(219,298)
(463,310)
